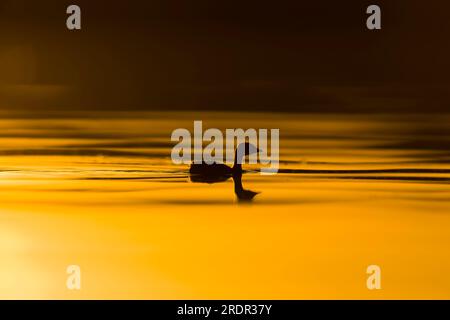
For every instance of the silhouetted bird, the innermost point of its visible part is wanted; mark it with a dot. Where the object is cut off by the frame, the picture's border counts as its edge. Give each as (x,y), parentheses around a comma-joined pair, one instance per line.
(217,172)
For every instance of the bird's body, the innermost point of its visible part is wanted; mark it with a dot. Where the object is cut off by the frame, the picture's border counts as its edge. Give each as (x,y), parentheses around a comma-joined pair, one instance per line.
(214,169)
(210,173)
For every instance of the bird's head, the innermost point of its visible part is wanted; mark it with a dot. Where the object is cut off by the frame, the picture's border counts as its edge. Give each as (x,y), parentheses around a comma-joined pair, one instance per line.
(245,149)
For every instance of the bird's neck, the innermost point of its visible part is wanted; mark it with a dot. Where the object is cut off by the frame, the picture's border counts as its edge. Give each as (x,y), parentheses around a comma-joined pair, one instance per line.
(237,167)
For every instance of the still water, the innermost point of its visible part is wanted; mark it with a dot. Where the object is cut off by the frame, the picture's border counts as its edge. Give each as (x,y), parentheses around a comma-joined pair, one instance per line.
(100,191)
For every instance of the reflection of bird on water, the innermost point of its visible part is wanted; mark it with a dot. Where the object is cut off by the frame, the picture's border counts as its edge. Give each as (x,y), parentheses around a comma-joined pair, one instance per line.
(218,172)
(242,194)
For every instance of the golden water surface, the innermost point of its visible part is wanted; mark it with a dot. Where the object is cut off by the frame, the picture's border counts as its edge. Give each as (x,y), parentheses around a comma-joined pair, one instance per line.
(100,191)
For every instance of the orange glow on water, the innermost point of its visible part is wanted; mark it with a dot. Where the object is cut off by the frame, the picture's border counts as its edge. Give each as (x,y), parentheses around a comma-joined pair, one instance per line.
(104,195)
